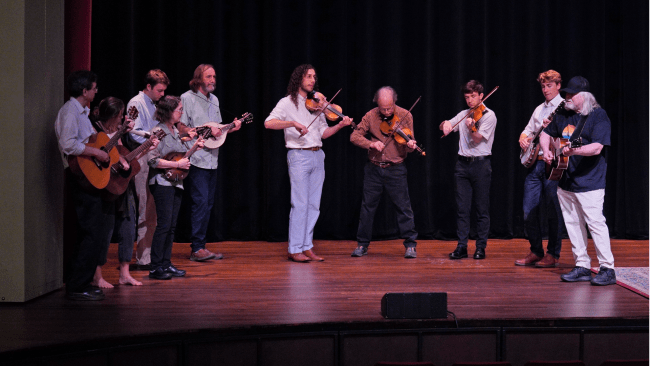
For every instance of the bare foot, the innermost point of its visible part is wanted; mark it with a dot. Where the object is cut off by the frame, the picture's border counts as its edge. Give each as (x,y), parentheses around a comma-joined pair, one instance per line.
(128,280)
(98,279)
(101,283)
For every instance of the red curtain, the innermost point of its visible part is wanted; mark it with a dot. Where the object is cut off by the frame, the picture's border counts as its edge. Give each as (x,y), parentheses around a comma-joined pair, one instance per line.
(78,17)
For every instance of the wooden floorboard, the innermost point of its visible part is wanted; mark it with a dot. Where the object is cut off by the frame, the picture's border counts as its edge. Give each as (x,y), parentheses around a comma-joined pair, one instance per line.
(256,286)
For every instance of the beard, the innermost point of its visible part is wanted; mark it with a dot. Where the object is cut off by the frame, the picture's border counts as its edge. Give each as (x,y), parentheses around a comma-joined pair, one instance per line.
(570,106)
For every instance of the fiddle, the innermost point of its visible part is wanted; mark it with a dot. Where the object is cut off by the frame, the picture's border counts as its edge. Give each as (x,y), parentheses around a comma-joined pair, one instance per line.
(316,102)
(390,125)
(477,114)
(472,111)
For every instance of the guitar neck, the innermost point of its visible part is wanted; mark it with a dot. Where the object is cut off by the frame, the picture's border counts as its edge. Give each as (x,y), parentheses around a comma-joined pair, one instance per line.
(145,145)
(191,151)
(550,118)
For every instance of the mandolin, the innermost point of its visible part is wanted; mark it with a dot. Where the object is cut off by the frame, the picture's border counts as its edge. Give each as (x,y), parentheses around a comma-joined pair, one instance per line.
(212,142)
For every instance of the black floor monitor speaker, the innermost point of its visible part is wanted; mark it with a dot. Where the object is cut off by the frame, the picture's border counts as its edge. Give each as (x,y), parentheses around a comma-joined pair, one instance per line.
(414,305)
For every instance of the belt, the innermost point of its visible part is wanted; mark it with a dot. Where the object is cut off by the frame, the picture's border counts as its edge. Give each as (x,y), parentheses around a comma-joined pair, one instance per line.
(384,164)
(315,148)
(469,159)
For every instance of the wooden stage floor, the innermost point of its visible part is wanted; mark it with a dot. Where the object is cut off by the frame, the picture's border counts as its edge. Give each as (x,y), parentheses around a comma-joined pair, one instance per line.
(256,287)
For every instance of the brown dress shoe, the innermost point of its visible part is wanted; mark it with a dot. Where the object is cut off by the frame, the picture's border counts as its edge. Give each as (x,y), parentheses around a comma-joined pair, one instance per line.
(299,257)
(309,253)
(530,260)
(201,255)
(548,261)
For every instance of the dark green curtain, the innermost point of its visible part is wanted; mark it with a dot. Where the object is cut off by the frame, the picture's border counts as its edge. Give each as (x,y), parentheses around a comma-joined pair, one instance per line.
(421,48)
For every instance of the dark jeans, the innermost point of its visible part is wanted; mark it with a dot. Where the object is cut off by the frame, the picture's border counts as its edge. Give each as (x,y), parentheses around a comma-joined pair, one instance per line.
(393,178)
(95,218)
(168,203)
(124,228)
(473,187)
(537,191)
(202,185)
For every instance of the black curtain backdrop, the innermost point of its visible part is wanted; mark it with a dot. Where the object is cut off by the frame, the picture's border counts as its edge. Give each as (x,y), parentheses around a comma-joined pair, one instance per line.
(421,48)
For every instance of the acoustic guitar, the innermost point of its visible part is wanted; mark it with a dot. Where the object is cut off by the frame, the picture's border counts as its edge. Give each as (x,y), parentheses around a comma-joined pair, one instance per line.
(94,174)
(560,161)
(212,142)
(119,178)
(528,157)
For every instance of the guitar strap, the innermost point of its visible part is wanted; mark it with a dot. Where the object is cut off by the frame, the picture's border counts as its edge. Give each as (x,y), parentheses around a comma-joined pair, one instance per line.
(578,130)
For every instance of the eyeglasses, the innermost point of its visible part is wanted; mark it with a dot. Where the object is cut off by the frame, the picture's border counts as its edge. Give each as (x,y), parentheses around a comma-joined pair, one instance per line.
(179,110)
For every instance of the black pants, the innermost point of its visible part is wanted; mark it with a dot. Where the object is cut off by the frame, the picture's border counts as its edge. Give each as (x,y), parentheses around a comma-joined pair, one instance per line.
(473,188)
(392,178)
(95,219)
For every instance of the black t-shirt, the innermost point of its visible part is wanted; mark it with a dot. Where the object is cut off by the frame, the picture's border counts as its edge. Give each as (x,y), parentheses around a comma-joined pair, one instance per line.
(585,173)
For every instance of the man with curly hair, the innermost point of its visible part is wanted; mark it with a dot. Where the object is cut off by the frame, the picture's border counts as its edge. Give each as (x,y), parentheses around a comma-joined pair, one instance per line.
(305,158)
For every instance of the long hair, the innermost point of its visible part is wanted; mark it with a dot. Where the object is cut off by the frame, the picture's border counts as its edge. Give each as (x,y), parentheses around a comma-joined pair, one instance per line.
(197,79)
(589,103)
(165,108)
(471,87)
(108,108)
(296,80)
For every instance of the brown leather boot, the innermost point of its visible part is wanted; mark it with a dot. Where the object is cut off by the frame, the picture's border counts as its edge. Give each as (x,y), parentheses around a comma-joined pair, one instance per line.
(309,253)
(547,262)
(530,260)
(299,257)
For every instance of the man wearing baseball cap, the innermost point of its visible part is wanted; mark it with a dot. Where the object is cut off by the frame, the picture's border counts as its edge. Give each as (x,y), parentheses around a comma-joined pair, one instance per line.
(581,190)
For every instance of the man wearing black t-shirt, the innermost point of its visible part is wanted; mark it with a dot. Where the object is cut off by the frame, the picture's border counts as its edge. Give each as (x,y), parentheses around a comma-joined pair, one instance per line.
(581,189)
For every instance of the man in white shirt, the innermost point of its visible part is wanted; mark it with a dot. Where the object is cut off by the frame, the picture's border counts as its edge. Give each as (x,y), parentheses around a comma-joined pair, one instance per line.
(305,157)
(537,189)
(156,82)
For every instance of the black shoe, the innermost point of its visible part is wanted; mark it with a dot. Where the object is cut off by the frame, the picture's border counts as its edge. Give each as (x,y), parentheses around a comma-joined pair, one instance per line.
(606,276)
(360,251)
(577,274)
(90,294)
(479,253)
(460,252)
(175,271)
(160,274)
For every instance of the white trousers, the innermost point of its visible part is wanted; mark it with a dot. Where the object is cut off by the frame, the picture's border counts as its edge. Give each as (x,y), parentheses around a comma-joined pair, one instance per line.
(582,210)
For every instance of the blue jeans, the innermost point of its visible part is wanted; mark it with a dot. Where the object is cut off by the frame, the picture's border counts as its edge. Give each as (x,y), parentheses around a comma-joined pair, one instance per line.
(168,203)
(307,174)
(393,178)
(539,190)
(202,185)
(473,187)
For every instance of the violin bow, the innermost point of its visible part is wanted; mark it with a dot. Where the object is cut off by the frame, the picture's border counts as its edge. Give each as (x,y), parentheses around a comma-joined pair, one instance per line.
(321,111)
(400,123)
(472,109)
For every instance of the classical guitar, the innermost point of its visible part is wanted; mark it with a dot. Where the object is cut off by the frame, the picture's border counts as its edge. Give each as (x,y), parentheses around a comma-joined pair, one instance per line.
(212,142)
(119,178)
(92,172)
(529,156)
(560,161)
(177,174)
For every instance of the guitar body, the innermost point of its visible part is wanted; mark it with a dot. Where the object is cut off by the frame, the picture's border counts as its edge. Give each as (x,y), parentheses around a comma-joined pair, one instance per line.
(93,173)
(560,163)
(119,178)
(175,174)
(529,156)
(215,142)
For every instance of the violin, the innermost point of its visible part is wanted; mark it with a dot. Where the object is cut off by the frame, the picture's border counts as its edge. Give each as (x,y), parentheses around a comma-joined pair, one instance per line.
(477,114)
(333,112)
(390,126)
